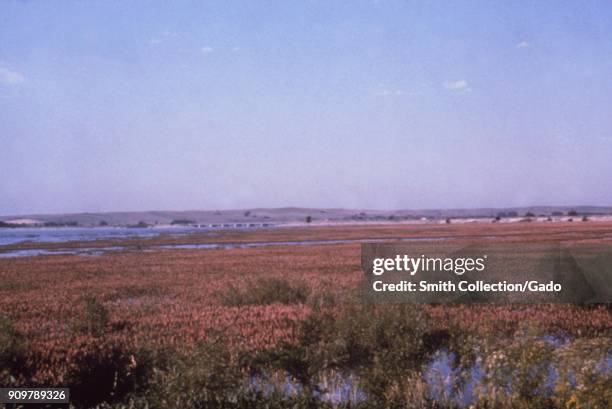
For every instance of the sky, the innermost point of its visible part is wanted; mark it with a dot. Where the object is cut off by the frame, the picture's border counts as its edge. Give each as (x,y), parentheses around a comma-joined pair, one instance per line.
(155,105)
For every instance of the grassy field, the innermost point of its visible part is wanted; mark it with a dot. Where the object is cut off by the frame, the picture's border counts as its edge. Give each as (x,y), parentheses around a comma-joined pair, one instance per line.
(283,326)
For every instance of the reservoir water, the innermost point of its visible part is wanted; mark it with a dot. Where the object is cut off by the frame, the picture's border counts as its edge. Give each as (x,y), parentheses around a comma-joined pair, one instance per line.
(67,234)
(12,236)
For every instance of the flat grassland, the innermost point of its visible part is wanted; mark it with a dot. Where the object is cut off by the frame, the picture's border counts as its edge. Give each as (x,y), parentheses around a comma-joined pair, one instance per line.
(63,307)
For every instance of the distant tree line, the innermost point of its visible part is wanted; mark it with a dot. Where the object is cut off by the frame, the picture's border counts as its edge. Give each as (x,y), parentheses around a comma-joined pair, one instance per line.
(61,224)
(500,215)
(507,214)
(182,222)
(140,224)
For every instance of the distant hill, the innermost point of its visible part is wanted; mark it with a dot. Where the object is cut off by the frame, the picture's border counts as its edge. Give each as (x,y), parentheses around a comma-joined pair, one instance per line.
(289,215)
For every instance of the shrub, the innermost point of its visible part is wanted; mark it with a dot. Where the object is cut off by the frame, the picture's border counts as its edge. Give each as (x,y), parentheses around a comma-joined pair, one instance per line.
(584,374)
(515,373)
(11,351)
(383,344)
(10,340)
(108,373)
(94,318)
(379,344)
(209,377)
(323,298)
(266,291)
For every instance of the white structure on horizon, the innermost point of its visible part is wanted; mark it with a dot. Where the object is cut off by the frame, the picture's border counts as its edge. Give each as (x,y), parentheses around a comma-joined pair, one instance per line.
(24,222)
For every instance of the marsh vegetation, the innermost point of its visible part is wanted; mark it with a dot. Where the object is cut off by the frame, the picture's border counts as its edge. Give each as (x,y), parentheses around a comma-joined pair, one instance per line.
(281,327)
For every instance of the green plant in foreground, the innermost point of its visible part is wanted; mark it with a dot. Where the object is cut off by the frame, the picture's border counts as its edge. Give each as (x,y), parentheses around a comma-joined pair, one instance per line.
(94,318)
(11,351)
(383,350)
(266,291)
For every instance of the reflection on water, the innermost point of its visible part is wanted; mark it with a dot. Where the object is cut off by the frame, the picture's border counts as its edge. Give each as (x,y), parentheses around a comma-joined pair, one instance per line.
(445,383)
(68,234)
(204,246)
(335,387)
(94,251)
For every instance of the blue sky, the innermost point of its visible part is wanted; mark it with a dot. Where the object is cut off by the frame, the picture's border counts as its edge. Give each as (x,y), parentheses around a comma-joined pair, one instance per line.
(140,105)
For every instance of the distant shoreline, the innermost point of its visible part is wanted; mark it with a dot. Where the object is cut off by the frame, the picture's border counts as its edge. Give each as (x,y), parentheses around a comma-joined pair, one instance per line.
(303,218)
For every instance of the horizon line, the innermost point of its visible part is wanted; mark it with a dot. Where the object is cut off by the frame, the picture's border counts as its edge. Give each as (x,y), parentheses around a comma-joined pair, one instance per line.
(425,209)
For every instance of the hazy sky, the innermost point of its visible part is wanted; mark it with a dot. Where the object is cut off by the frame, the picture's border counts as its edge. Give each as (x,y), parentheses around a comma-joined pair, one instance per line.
(139,105)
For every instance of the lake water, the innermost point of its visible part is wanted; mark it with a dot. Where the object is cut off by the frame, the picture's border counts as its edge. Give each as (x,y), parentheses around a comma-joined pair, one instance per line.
(67,234)
(9,236)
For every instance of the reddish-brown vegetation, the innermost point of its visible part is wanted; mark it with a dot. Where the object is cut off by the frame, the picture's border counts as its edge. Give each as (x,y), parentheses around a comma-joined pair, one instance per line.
(170,298)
